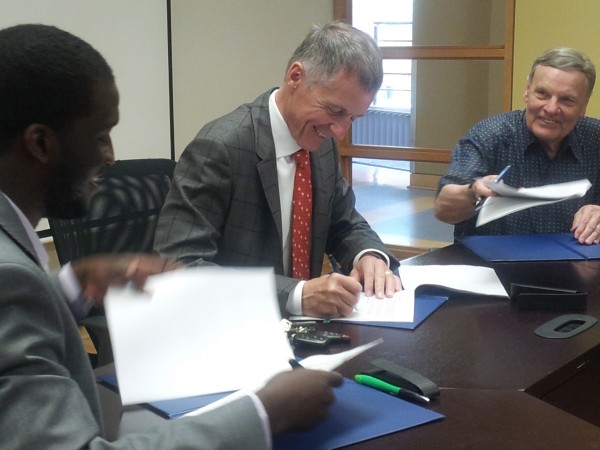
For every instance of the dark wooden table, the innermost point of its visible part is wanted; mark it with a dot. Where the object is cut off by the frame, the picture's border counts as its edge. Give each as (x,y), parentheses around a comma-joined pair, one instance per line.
(502,385)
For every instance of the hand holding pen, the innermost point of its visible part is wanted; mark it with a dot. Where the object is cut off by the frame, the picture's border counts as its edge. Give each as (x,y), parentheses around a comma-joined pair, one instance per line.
(501,174)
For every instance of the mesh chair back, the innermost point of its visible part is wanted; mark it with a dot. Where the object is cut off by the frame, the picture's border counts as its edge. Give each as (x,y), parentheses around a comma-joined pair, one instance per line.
(123,213)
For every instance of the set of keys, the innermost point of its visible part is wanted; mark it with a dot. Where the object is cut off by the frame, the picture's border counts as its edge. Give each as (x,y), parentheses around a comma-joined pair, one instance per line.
(306,333)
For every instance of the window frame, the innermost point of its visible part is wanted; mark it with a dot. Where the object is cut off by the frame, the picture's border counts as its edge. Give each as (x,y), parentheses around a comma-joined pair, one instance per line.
(342,10)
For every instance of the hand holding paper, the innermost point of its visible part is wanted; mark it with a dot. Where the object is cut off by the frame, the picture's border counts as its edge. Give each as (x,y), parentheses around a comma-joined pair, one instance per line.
(510,199)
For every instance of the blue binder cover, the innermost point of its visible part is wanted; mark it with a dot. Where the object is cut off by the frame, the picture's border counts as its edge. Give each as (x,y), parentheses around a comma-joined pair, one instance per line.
(425,305)
(169,409)
(533,247)
(359,413)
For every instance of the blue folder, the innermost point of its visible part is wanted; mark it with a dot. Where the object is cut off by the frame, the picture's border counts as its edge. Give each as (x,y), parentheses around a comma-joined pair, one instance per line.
(425,305)
(169,409)
(359,413)
(533,247)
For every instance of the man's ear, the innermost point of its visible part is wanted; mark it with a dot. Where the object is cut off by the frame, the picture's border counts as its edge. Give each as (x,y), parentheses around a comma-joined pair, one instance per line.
(39,141)
(295,74)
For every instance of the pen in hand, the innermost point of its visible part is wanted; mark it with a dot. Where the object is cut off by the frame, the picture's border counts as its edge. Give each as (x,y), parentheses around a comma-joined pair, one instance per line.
(501,174)
(295,364)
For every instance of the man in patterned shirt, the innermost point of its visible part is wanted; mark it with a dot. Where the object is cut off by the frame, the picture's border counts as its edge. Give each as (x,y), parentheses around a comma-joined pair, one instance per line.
(551,141)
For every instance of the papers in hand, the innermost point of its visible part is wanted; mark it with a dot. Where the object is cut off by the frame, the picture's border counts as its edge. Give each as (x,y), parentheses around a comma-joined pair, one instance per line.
(190,333)
(195,331)
(510,199)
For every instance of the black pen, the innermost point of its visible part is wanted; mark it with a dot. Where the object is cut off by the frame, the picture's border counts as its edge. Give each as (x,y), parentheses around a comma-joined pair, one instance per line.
(501,174)
(295,364)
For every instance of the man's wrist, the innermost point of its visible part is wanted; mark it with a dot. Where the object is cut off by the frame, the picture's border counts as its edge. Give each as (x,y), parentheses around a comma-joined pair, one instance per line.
(473,197)
(373,252)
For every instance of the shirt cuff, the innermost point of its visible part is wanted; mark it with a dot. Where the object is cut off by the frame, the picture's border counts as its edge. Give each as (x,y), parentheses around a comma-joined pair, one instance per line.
(294,303)
(80,306)
(377,253)
(264,418)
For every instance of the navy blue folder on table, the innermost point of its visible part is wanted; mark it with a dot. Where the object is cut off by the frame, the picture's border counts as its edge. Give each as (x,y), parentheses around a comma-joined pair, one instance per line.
(359,413)
(532,247)
(425,305)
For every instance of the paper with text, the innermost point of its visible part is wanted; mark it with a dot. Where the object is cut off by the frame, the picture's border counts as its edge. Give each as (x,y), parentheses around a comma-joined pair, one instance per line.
(398,308)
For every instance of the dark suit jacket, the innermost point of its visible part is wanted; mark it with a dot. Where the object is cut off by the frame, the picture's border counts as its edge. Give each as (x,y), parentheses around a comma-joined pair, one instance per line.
(223,206)
(48,397)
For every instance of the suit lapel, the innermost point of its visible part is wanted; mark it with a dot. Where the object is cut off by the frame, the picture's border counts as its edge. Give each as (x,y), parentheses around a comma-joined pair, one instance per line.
(265,150)
(11,225)
(323,169)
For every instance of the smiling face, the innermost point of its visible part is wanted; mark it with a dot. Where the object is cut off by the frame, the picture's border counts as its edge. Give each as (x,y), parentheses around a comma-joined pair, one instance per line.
(555,99)
(315,112)
(84,149)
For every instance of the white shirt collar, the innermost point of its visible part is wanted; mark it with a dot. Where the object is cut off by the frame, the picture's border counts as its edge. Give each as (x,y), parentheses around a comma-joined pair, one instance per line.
(285,145)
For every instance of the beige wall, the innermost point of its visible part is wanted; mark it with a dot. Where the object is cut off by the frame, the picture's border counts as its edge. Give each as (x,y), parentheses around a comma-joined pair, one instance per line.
(544,24)
(132,36)
(227,52)
(453,95)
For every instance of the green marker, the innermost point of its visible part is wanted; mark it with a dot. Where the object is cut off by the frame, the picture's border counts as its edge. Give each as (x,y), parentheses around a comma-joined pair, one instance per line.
(388,388)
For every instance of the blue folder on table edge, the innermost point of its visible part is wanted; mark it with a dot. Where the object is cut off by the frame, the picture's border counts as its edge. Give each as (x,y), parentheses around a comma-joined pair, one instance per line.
(531,247)
(425,305)
(359,413)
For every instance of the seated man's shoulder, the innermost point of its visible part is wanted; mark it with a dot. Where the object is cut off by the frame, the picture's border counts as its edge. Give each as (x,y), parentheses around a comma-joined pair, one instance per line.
(588,123)
(499,126)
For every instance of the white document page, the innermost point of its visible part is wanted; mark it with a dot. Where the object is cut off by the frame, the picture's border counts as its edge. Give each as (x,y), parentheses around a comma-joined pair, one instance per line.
(460,278)
(315,362)
(398,308)
(198,331)
(511,200)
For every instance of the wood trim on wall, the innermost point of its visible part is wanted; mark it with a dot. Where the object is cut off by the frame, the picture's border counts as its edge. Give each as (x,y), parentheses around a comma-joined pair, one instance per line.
(343,11)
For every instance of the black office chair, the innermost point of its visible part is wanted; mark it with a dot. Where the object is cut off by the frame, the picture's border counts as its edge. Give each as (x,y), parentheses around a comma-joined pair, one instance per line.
(122,218)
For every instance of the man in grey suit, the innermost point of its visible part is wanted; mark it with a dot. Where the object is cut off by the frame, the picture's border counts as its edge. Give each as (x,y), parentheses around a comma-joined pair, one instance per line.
(230,202)
(58,106)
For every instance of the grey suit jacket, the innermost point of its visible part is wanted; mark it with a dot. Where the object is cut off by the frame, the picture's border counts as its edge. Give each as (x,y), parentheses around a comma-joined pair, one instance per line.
(48,397)
(223,207)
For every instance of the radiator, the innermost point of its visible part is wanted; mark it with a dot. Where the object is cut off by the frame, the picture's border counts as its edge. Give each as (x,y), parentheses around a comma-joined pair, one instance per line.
(382,127)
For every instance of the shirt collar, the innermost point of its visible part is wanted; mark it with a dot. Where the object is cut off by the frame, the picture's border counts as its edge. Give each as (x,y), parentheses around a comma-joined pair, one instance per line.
(285,145)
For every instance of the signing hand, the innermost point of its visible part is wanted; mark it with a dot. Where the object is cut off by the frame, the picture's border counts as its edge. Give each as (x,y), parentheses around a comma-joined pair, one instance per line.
(330,296)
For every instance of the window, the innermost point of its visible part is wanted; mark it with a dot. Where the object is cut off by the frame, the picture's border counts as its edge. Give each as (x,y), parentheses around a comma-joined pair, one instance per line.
(447,65)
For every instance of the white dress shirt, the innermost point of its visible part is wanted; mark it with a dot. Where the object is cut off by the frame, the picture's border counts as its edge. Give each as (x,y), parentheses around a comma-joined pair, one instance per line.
(285,147)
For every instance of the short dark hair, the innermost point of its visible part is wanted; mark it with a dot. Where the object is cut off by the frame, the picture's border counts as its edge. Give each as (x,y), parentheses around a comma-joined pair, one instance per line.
(338,46)
(47,76)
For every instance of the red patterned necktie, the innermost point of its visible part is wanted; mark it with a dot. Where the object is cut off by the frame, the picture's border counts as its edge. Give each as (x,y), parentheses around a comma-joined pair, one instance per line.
(301,216)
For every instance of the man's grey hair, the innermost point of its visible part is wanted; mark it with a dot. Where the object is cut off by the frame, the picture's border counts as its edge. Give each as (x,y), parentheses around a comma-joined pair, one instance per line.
(566,59)
(337,47)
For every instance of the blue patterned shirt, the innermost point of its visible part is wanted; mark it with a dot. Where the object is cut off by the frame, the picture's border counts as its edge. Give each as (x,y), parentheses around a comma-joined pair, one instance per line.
(497,141)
